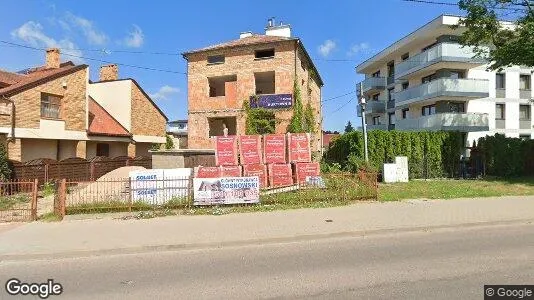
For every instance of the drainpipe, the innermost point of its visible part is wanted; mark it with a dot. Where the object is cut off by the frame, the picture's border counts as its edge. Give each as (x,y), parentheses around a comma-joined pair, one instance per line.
(12,137)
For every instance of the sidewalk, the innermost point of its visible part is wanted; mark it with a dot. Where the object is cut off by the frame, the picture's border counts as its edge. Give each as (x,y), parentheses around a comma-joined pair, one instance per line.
(108,236)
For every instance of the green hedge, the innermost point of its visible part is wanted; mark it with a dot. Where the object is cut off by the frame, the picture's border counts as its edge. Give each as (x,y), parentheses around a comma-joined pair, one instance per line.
(504,156)
(430,154)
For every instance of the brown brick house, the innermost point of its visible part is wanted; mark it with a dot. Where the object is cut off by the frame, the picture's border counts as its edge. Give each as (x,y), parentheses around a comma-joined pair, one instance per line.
(46,112)
(223,76)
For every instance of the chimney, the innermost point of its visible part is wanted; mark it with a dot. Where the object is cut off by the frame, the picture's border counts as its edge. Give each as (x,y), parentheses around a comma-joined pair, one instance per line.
(52,58)
(282,30)
(109,72)
(245,34)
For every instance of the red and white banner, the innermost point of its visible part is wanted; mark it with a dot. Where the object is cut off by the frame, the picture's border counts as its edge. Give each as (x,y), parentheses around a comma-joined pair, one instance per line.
(280,175)
(250,149)
(299,147)
(208,172)
(256,170)
(274,148)
(231,171)
(302,170)
(226,150)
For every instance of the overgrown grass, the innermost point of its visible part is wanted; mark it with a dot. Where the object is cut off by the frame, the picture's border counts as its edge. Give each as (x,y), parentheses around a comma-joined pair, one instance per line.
(448,189)
(48,189)
(7,202)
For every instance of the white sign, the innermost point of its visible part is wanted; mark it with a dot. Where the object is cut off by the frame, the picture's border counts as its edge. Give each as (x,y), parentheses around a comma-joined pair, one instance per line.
(226,190)
(158,186)
(389,173)
(402,168)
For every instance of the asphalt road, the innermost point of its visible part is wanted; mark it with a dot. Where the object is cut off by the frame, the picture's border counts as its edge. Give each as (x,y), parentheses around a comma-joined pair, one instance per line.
(446,264)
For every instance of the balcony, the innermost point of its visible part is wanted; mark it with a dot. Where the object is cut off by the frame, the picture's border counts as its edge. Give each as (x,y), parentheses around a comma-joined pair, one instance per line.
(444,88)
(373,84)
(464,122)
(391,104)
(374,107)
(444,55)
(377,127)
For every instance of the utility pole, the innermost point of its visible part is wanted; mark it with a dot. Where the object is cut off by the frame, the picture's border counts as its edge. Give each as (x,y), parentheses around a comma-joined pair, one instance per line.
(364,125)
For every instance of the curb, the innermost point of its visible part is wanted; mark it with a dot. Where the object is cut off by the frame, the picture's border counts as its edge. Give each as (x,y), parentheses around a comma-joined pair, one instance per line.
(252,242)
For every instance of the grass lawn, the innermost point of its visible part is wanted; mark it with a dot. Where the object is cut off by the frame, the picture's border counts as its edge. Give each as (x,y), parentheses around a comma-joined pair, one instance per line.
(447,189)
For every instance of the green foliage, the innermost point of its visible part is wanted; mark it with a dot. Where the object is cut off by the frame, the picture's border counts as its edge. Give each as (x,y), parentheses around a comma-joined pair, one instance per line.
(155,147)
(506,157)
(348,127)
(48,189)
(512,46)
(296,122)
(430,154)
(169,144)
(309,119)
(258,120)
(5,166)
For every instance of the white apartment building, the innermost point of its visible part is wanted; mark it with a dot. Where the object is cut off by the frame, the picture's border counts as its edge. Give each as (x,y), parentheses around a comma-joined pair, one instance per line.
(428,81)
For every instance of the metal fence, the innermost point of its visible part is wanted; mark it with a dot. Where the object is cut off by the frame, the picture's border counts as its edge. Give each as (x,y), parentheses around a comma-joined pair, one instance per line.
(18,201)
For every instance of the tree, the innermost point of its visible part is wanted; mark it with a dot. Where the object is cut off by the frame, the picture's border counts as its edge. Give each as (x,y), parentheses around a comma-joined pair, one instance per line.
(5,167)
(508,45)
(169,143)
(349,127)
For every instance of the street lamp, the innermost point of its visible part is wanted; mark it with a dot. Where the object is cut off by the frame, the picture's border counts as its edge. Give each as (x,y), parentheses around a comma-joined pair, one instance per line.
(364,125)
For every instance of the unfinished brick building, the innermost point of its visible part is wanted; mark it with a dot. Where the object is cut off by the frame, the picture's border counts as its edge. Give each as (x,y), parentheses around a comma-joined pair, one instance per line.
(223,76)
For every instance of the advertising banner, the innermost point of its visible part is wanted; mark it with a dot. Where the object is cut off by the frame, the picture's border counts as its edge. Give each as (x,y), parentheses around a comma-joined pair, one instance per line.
(257,170)
(274,148)
(231,171)
(280,175)
(250,149)
(226,190)
(226,150)
(208,172)
(303,170)
(271,101)
(299,147)
(158,186)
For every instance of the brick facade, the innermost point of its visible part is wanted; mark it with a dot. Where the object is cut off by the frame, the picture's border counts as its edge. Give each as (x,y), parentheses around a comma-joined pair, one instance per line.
(146,118)
(14,150)
(241,62)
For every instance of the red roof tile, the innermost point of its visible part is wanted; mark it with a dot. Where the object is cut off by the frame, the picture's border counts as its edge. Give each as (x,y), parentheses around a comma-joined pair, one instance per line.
(102,123)
(9,78)
(251,40)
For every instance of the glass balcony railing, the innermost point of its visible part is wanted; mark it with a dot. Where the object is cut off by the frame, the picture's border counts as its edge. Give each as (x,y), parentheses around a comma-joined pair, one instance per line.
(442,52)
(469,88)
(373,83)
(464,122)
(373,106)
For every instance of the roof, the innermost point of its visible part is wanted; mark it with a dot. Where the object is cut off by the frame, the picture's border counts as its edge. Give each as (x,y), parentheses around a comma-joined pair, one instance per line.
(140,88)
(103,123)
(256,39)
(328,138)
(35,76)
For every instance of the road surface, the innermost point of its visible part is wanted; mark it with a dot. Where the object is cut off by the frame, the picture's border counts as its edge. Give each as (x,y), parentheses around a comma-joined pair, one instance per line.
(445,264)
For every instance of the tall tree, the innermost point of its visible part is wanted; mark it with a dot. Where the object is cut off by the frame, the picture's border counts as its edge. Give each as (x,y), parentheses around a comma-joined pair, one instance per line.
(349,127)
(510,43)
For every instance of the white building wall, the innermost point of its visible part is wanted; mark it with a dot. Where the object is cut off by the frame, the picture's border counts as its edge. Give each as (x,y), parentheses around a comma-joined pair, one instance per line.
(116,98)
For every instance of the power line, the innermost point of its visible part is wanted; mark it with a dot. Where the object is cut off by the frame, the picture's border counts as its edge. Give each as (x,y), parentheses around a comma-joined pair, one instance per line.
(336,97)
(96,59)
(343,105)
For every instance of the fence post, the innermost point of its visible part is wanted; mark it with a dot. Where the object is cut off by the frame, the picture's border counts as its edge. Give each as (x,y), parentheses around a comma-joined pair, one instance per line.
(62,197)
(34,199)
(46,173)
(92,170)
(130,194)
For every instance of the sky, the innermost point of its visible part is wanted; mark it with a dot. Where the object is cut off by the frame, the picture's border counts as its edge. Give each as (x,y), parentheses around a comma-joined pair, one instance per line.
(338,35)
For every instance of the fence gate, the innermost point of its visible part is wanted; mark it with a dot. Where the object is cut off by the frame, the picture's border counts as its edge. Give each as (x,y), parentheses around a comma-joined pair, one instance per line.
(18,201)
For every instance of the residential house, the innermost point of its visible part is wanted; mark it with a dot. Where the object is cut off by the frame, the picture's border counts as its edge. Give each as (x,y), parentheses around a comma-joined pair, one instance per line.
(428,81)
(261,68)
(177,130)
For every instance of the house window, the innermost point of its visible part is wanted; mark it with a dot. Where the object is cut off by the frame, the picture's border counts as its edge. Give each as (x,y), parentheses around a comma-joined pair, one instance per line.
(391,69)
(456,75)
(265,82)
(524,112)
(405,85)
(428,110)
(499,111)
(216,59)
(405,113)
(102,149)
(391,117)
(500,81)
(217,126)
(457,107)
(50,106)
(376,120)
(405,56)
(428,78)
(217,85)
(261,54)
(376,74)
(375,97)
(390,94)
(524,82)
(429,46)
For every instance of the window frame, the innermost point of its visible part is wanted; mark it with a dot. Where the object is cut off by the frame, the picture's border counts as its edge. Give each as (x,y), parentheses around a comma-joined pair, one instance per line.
(407,86)
(529,112)
(528,82)
(107,149)
(216,62)
(405,113)
(48,102)
(503,111)
(264,50)
(405,56)
(430,107)
(394,118)
(503,81)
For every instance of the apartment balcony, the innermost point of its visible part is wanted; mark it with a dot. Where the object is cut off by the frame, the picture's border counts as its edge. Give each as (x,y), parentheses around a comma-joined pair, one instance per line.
(377,127)
(464,122)
(441,56)
(374,107)
(391,104)
(373,84)
(444,89)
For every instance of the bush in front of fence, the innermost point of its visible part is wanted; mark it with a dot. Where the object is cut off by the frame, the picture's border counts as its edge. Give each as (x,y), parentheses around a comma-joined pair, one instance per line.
(503,156)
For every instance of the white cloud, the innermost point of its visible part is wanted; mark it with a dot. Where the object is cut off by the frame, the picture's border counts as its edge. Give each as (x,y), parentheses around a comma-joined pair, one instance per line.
(360,48)
(326,47)
(92,35)
(33,33)
(135,38)
(164,92)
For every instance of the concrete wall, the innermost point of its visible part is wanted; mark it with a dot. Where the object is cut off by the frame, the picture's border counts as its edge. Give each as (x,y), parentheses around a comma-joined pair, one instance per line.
(37,148)
(115,148)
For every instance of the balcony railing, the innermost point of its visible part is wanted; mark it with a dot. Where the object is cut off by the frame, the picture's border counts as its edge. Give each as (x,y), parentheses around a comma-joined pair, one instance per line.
(373,84)
(465,122)
(373,106)
(377,127)
(469,88)
(450,52)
